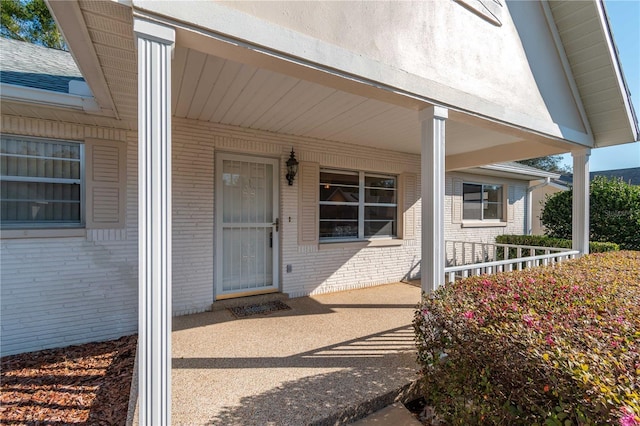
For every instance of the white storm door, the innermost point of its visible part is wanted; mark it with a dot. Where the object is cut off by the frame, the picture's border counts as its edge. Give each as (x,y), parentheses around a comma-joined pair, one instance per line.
(247,225)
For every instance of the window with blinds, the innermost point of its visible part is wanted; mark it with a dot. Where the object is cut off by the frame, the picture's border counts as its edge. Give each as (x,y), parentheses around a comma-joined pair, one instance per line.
(357,205)
(42,182)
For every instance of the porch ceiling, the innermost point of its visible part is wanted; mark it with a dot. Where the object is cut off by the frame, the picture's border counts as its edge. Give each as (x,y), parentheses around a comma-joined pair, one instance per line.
(226,83)
(210,88)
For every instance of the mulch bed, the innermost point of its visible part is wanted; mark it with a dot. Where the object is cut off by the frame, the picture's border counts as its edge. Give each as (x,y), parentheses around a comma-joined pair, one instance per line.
(86,384)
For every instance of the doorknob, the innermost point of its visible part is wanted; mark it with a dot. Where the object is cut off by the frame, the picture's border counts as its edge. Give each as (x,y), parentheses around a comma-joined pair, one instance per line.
(276,224)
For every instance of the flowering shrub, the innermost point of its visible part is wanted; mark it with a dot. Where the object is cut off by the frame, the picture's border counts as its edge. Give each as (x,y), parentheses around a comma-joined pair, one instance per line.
(555,345)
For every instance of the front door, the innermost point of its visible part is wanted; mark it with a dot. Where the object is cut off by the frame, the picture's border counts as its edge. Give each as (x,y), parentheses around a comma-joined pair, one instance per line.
(247,225)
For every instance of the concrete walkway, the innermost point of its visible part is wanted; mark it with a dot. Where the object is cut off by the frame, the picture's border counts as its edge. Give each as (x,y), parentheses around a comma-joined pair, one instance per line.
(331,359)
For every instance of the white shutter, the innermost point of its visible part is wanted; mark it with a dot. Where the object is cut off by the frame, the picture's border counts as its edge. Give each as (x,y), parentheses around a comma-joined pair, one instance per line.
(105,170)
(456,201)
(409,191)
(308,203)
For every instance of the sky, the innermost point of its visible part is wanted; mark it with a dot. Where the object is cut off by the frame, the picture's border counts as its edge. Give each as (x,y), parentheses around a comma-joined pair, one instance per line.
(624,17)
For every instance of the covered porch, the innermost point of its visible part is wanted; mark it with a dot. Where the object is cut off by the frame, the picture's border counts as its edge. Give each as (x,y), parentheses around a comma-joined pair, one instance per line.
(332,358)
(189,89)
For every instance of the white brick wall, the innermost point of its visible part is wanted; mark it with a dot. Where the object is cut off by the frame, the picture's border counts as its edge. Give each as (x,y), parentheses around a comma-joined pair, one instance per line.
(61,291)
(516,225)
(313,270)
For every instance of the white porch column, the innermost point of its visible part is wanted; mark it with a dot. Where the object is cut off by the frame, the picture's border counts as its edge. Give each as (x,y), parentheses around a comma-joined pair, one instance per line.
(432,137)
(580,208)
(154,221)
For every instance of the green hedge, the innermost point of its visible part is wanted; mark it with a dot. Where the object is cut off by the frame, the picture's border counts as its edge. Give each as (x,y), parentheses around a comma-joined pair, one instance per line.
(544,241)
(547,346)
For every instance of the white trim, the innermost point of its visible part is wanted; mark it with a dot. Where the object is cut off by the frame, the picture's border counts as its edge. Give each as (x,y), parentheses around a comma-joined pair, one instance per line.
(566,67)
(154,229)
(70,21)
(580,206)
(615,59)
(520,171)
(11,92)
(432,168)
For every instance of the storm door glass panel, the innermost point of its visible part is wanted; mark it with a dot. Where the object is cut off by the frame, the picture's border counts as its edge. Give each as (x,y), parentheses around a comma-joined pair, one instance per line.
(247,225)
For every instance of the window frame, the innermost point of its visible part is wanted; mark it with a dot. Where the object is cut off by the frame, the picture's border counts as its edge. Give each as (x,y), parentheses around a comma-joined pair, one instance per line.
(503,203)
(15,225)
(361,204)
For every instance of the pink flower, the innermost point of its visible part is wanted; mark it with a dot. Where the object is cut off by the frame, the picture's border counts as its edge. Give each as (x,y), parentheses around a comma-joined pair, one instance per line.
(531,281)
(552,280)
(516,296)
(468,315)
(528,319)
(628,420)
(549,340)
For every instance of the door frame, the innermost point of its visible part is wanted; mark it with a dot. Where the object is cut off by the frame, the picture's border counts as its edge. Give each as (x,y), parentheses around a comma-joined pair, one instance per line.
(218,293)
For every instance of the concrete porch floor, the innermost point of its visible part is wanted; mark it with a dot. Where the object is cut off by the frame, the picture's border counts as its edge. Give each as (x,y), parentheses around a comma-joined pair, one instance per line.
(331,359)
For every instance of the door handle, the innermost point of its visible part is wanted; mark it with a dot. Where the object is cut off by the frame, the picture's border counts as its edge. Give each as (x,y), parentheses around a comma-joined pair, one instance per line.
(276,224)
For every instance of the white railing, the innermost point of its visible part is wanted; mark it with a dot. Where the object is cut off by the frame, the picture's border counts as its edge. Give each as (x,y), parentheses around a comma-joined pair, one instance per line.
(471,258)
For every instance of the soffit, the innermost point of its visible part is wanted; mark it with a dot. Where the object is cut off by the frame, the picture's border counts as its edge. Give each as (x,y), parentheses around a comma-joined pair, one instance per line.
(218,90)
(215,89)
(591,54)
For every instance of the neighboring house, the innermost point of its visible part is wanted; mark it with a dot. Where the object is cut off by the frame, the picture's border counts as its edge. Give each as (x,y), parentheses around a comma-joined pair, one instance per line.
(509,193)
(630,175)
(164,189)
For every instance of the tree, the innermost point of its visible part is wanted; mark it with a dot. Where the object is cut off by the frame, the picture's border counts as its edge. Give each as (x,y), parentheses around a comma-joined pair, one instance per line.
(550,163)
(614,213)
(30,20)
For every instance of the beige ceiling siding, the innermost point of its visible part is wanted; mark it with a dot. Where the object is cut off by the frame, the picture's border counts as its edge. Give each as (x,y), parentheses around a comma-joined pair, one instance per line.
(590,57)
(110,27)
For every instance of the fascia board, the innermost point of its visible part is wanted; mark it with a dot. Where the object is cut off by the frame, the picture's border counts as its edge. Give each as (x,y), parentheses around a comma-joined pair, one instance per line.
(615,60)
(31,95)
(70,21)
(518,171)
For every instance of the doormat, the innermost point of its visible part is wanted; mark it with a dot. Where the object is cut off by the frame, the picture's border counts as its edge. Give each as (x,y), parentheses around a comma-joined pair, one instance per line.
(258,308)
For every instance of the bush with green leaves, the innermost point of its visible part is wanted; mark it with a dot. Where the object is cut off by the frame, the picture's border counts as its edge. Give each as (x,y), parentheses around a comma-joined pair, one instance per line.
(614,213)
(557,345)
(544,241)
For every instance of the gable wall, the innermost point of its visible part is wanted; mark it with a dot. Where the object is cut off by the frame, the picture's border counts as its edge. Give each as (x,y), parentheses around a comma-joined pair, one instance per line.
(438,49)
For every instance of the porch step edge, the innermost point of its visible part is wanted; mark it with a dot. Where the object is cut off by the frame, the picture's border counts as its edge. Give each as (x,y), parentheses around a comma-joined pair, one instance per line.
(220,305)
(403,394)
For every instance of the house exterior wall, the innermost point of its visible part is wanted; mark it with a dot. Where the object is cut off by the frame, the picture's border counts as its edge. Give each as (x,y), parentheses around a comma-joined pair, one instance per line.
(538,197)
(444,51)
(69,290)
(458,230)
(60,291)
(315,269)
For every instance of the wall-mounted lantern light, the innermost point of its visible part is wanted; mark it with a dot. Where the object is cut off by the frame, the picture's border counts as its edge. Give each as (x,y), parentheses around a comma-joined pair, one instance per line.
(292,167)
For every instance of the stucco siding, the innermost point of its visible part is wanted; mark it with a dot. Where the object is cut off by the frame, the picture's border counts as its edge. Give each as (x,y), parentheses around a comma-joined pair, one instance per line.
(512,71)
